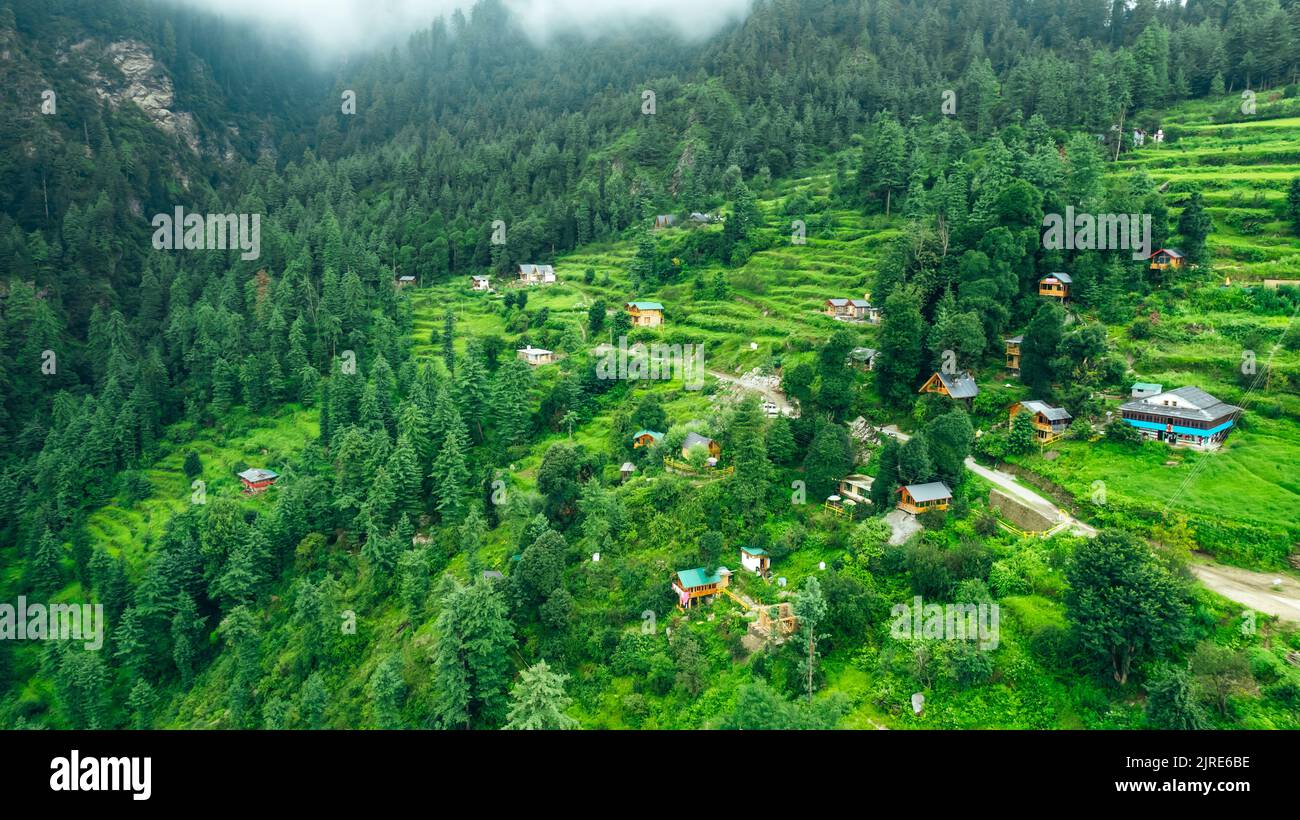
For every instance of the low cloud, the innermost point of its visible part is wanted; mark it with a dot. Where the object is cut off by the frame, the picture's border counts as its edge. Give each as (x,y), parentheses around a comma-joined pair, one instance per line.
(353,26)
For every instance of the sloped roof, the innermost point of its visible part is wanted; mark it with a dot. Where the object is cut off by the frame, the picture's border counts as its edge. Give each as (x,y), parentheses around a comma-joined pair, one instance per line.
(837,302)
(1171,251)
(256,474)
(1014,340)
(1050,412)
(697,577)
(863,353)
(1205,407)
(753,550)
(1063,277)
(933,491)
(646,305)
(532,351)
(960,386)
(651,433)
(694,439)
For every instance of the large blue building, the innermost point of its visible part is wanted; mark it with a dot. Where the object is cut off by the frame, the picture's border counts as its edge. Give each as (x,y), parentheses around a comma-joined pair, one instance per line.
(1187,416)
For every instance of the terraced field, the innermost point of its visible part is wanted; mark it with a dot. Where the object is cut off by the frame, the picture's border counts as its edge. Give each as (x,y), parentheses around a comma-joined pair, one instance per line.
(242,437)
(1204,331)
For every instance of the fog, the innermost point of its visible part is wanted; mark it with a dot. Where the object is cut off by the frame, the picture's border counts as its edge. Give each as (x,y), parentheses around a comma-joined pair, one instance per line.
(338,27)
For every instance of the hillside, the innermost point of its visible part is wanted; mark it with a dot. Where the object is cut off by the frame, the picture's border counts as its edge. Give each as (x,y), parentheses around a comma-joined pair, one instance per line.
(449,536)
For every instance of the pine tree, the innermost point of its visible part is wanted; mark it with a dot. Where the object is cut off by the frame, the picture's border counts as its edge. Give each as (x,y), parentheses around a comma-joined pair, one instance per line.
(450,475)
(142,701)
(387,689)
(471,661)
(187,627)
(313,700)
(511,402)
(538,701)
(46,570)
(1194,225)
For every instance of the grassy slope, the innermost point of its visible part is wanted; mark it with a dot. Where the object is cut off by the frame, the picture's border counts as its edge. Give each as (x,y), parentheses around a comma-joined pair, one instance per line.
(1243,169)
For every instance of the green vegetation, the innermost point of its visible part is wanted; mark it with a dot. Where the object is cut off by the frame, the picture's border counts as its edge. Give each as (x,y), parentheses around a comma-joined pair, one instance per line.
(452,540)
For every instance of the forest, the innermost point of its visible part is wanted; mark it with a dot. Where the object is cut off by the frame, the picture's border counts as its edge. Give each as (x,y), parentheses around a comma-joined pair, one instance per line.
(459,536)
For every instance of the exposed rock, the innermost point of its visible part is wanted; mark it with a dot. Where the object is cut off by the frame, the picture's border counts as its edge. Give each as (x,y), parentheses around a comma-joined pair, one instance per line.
(144,82)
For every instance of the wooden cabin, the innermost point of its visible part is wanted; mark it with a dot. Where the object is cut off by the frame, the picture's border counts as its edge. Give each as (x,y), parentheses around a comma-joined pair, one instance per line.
(1167,258)
(852,309)
(646,438)
(1055,286)
(836,308)
(536,355)
(1013,353)
(960,386)
(1050,423)
(404,281)
(691,585)
(481,283)
(1186,416)
(536,275)
(645,314)
(256,479)
(755,559)
(694,440)
(919,498)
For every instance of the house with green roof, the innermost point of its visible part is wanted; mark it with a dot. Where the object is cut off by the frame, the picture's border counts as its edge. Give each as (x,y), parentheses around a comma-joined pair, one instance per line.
(646,438)
(692,584)
(645,314)
(755,559)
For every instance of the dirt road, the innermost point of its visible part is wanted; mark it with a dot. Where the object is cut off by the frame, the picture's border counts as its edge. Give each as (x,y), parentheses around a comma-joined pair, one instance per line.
(1009,483)
(767,387)
(1256,590)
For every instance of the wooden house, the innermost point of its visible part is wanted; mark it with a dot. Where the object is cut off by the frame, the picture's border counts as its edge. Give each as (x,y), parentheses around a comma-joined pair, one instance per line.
(404,281)
(1186,416)
(665,221)
(1049,422)
(481,283)
(836,308)
(536,355)
(1013,353)
(919,498)
(960,386)
(536,275)
(1055,286)
(645,314)
(256,479)
(694,440)
(691,585)
(755,559)
(646,438)
(1167,258)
